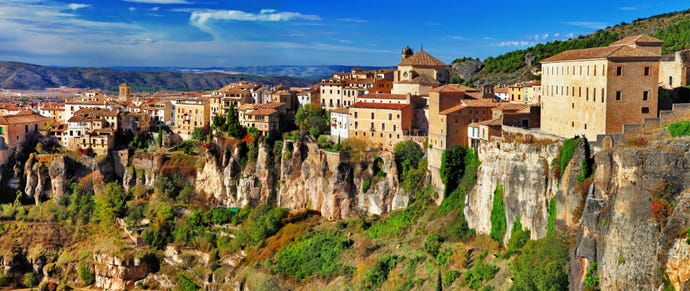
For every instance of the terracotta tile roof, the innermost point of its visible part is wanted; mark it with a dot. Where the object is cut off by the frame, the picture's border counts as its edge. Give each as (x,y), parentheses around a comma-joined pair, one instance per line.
(480,103)
(262,112)
(421,59)
(383,96)
(448,88)
(510,107)
(388,106)
(501,90)
(600,53)
(422,79)
(23,118)
(637,39)
(340,110)
(491,122)
(453,109)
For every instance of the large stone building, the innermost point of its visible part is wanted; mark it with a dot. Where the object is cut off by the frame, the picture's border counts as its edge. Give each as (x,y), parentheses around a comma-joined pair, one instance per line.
(14,129)
(381,124)
(596,91)
(674,71)
(418,73)
(191,114)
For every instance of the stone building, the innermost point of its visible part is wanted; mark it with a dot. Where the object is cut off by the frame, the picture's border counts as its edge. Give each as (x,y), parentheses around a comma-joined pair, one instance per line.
(596,91)
(14,129)
(381,124)
(191,114)
(418,73)
(674,71)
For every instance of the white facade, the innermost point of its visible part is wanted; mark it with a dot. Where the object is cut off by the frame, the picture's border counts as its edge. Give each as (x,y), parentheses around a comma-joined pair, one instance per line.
(340,122)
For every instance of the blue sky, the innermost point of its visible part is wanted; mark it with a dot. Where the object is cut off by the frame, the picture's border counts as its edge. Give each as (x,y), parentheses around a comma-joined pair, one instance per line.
(204,33)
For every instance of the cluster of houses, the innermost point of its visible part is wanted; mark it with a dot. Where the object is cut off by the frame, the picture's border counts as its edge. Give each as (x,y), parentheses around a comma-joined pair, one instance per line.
(587,92)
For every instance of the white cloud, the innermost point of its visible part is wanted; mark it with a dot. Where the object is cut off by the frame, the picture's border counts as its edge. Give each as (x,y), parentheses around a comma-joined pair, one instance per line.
(514,43)
(155,8)
(353,20)
(132,9)
(628,8)
(75,6)
(587,24)
(160,1)
(202,19)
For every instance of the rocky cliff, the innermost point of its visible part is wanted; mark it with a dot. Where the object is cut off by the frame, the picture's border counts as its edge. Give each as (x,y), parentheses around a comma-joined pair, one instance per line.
(631,217)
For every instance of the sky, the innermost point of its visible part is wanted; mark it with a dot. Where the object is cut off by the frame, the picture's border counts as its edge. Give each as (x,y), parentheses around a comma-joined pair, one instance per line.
(226,33)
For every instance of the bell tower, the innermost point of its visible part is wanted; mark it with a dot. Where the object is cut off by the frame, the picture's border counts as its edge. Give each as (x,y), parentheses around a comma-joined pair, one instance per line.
(125,91)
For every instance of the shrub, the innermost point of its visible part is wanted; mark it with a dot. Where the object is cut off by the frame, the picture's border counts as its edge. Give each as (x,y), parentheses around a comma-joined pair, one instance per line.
(407,156)
(591,276)
(4,281)
(498,216)
(450,277)
(394,224)
(366,185)
(85,274)
(452,167)
(456,199)
(478,274)
(551,224)
(312,254)
(184,284)
(432,244)
(442,257)
(379,272)
(680,128)
(219,216)
(518,237)
(30,280)
(542,265)
(566,153)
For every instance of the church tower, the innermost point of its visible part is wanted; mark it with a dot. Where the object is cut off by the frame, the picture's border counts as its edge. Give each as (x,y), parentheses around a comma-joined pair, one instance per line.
(125,91)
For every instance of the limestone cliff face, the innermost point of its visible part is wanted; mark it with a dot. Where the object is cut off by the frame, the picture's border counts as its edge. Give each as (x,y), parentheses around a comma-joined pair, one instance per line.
(217,180)
(633,248)
(523,171)
(112,273)
(143,170)
(328,182)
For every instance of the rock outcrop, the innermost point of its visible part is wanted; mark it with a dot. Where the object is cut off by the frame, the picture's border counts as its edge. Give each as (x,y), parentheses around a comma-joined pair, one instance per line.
(113,273)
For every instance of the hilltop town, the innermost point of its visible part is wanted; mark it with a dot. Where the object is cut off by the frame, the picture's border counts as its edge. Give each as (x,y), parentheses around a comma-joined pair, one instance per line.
(391,179)
(594,93)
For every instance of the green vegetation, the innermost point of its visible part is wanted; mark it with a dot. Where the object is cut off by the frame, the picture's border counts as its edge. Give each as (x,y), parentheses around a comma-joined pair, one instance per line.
(542,265)
(518,237)
(379,272)
(676,36)
(565,154)
(680,128)
(312,119)
(551,224)
(456,199)
(452,167)
(591,277)
(85,274)
(450,277)
(110,203)
(30,280)
(366,184)
(394,224)
(312,254)
(514,60)
(184,284)
(498,216)
(432,244)
(479,273)
(233,126)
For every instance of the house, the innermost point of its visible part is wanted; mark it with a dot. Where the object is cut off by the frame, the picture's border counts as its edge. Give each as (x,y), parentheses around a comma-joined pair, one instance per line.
(502,93)
(674,71)
(92,128)
(189,115)
(14,129)
(596,91)
(161,112)
(264,117)
(340,122)
(54,111)
(381,124)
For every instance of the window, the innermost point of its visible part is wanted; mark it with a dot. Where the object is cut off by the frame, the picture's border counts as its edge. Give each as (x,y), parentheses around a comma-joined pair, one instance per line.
(372,115)
(618,95)
(383,127)
(394,127)
(646,71)
(670,81)
(595,70)
(356,124)
(579,91)
(390,116)
(619,71)
(602,95)
(572,105)
(645,95)
(585,125)
(645,109)
(572,124)
(355,114)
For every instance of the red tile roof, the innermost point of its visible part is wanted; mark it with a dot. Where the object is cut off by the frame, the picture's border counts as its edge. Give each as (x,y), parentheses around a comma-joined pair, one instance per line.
(637,39)
(601,53)
(388,106)
(262,112)
(383,96)
(421,59)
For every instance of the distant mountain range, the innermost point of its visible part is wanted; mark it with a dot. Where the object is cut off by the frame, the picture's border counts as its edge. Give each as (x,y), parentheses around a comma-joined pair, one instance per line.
(24,76)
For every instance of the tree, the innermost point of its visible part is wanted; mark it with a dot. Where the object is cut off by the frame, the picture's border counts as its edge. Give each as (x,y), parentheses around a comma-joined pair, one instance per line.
(311,119)
(452,167)
(235,129)
(159,138)
(110,203)
(407,155)
(542,265)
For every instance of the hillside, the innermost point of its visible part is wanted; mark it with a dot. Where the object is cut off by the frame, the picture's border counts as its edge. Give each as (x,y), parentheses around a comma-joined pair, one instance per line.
(34,77)
(673,28)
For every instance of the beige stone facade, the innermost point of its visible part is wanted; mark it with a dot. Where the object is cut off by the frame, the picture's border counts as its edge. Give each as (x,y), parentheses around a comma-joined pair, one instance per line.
(596,91)
(674,72)
(14,129)
(380,124)
(191,114)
